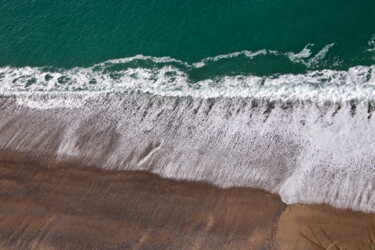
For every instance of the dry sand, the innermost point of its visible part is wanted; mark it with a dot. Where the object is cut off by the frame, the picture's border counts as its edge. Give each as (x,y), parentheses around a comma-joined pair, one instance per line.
(56,205)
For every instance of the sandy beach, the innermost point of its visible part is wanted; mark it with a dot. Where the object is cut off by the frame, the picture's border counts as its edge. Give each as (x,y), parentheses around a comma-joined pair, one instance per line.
(61,205)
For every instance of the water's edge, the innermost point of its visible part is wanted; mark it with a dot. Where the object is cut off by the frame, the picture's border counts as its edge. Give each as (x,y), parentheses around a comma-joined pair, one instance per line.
(305,152)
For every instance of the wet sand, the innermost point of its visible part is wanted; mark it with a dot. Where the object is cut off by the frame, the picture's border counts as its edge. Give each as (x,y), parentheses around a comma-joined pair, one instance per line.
(58,205)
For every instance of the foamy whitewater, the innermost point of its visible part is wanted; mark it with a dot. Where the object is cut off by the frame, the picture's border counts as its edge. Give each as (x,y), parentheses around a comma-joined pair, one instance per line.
(307,137)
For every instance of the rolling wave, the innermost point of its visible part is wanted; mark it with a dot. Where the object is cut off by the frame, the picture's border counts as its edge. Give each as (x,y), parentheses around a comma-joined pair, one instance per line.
(167,76)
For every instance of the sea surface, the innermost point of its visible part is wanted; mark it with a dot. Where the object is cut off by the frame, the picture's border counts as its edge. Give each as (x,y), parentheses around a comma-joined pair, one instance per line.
(278,95)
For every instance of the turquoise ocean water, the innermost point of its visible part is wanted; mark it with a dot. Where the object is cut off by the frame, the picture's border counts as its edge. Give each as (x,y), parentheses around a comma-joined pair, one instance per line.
(66,34)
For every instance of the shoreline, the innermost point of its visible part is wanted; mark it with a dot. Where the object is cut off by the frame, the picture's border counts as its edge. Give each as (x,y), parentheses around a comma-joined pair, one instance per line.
(49,204)
(282,149)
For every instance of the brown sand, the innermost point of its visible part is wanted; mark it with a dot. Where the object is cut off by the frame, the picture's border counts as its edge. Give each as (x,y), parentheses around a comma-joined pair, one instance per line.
(49,205)
(325,226)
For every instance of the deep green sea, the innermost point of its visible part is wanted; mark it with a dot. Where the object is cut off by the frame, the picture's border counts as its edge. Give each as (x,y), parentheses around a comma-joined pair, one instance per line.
(67,33)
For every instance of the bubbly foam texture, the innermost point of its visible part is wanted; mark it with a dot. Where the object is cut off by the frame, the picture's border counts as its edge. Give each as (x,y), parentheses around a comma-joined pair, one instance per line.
(246,53)
(354,85)
(371,44)
(307,137)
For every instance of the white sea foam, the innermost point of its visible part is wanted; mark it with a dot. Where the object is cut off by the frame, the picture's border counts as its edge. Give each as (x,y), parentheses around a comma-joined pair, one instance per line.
(164,59)
(371,44)
(355,84)
(304,56)
(246,53)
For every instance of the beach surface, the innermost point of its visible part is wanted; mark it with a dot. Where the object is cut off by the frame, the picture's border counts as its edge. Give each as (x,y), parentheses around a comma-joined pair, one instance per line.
(46,204)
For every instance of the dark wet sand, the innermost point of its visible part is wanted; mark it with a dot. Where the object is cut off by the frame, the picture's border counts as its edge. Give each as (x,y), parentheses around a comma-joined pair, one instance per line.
(51,205)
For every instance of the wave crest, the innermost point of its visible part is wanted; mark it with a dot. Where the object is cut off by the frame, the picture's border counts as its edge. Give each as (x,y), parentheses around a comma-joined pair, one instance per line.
(353,85)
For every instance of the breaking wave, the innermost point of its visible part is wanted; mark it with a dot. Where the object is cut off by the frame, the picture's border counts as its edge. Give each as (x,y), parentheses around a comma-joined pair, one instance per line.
(166,76)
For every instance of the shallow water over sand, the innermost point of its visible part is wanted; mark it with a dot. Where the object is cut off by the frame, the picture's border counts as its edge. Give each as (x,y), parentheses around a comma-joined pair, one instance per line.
(305,152)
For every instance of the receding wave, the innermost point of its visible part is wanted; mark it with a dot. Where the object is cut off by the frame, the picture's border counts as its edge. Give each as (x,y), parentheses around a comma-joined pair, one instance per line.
(308,137)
